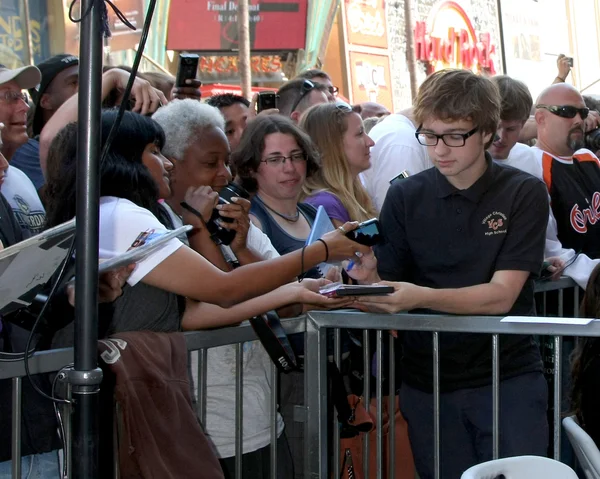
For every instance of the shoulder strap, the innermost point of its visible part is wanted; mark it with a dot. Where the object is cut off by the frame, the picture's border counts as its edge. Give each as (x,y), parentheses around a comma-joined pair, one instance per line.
(309,210)
(257,210)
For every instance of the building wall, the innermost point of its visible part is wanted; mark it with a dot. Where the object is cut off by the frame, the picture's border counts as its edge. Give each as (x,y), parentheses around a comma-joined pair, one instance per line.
(483,15)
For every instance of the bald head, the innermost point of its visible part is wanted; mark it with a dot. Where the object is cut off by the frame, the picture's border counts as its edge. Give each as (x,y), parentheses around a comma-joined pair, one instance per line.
(558,94)
(371,109)
(557,133)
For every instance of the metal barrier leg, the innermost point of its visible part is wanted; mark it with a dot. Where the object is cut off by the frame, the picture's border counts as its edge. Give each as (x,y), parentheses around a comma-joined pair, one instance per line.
(17,384)
(239,410)
(273,458)
(495,396)
(392,408)
(202,377)
(337,352)
(436,404)
(315,398)
(366,393)
(557,394)
(379,399)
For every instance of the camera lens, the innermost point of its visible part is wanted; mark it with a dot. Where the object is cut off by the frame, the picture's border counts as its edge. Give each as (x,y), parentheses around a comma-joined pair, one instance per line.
(592,140)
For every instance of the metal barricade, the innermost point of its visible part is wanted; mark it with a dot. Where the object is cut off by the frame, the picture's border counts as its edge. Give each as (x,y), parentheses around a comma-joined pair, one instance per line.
(319,465)
(201,341)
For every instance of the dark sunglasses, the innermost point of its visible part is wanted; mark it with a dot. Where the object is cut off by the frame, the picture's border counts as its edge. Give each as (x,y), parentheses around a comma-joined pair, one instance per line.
(307,87)
(566,111)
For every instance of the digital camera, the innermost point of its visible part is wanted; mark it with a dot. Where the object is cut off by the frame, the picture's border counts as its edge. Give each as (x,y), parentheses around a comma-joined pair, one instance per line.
(220,235)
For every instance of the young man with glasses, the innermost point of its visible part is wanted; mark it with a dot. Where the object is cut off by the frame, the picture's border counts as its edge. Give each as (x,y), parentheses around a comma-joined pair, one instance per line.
(465,237)
(297,96)
(571,172)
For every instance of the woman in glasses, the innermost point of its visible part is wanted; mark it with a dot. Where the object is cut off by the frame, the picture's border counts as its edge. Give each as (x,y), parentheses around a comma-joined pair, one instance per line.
(339,134)
(273,160)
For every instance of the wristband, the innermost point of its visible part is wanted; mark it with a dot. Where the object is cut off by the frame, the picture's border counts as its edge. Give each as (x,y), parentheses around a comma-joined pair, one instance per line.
(326,250)
(561,79)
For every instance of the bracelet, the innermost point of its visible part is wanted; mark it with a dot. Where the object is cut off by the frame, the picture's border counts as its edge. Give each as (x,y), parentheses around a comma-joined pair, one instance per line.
(194,211)
(561,79)
(300,277)
(326,249)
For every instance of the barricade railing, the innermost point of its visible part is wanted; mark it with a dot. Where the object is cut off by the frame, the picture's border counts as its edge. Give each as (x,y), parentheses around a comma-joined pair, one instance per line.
(318,323)
(315,324)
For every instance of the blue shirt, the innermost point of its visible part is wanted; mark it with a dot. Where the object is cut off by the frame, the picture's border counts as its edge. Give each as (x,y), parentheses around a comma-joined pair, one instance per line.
(27,159)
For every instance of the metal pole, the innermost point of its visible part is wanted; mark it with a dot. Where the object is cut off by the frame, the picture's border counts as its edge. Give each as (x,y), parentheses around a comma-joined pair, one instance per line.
(27,32)
(436,405)
(411,59)
(17,398)
(495,396)
(243,23)
(86,376)
(501,35)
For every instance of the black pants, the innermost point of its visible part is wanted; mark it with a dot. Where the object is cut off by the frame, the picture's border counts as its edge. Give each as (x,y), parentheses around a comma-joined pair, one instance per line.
(256,464)
(466,424)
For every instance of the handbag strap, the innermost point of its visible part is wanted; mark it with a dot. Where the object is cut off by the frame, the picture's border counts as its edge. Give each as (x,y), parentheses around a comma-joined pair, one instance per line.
(340,395)
(347,463)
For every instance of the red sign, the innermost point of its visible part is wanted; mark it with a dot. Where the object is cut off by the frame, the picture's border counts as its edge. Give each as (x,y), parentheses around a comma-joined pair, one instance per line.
(448,40)
(211,25)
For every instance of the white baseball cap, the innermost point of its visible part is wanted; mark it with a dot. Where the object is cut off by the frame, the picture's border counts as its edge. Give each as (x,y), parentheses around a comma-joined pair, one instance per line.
(26,77)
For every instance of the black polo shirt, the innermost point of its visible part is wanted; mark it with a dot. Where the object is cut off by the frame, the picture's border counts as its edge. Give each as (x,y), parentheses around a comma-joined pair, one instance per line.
(440,237)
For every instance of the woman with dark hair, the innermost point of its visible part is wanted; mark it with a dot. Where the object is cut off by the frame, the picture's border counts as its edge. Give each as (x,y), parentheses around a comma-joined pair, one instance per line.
(585,365)
(273,160)
(134,176)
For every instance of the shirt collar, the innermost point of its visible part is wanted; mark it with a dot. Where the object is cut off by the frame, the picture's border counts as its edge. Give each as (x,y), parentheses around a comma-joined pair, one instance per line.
(475,191)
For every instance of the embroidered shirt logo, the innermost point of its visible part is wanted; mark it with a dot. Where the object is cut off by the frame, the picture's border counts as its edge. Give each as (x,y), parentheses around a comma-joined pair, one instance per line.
(495,223)
(581,218)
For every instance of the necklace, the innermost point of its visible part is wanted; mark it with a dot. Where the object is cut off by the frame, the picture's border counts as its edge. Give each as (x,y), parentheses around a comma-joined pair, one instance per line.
(291,218)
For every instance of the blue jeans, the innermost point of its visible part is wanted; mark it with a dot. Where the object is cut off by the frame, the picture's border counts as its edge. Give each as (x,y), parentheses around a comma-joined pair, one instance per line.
(36,466)
(466,424)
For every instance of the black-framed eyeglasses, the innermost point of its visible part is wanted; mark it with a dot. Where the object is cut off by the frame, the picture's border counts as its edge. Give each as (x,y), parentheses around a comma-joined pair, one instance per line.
(566,111)
(12,96)
(307,87)
(453,140)
(278,160)
(333,90)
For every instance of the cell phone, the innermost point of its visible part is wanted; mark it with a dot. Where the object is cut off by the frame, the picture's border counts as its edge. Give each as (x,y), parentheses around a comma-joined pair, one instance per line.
(401,176)
(570,61)
(187,69)
(339,290)
(266,101)
(368,233)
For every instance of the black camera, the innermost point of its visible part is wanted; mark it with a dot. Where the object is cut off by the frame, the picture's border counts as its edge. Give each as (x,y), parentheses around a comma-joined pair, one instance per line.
(592,140)
(220,235)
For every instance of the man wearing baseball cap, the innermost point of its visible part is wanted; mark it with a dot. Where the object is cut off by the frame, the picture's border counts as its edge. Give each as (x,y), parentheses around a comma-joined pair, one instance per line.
(59,82)
(17,187)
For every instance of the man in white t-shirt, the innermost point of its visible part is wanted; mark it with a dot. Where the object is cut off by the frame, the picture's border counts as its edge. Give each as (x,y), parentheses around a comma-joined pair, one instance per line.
(18,189)
(198,147)
(516,106)
(396,150)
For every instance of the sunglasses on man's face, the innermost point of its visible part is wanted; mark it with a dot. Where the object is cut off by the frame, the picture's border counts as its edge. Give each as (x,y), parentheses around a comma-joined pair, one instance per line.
(566,111)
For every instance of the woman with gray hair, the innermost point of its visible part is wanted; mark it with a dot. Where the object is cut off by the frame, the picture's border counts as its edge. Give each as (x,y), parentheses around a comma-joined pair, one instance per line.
(197,146)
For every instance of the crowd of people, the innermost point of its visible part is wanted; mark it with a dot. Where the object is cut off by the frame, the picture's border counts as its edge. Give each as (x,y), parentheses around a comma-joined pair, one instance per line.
(476,187)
